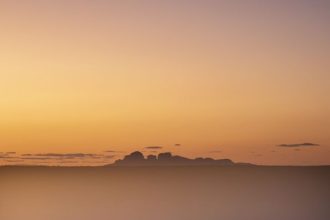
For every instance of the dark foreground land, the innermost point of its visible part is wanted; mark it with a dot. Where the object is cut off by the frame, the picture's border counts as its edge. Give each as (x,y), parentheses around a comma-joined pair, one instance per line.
(165,193)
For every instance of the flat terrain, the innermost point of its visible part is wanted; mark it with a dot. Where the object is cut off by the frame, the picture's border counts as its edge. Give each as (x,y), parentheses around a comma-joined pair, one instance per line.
(165,193)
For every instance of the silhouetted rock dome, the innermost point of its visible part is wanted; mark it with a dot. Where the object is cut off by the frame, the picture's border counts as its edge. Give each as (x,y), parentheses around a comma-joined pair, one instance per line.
(137,155)
(164,156)
(167,159)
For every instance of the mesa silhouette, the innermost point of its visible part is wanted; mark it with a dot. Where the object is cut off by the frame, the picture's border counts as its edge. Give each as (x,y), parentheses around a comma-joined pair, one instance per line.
(167,159)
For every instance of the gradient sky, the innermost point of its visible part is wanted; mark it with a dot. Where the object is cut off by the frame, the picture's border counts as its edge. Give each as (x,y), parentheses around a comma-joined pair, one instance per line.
(228,79)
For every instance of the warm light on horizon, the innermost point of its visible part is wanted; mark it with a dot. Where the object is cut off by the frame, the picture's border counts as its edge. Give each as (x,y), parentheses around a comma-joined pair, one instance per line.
(222,79)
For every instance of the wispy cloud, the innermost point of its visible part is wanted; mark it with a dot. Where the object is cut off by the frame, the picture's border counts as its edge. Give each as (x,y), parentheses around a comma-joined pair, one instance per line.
(114,151)
(8,155)
(14,161)
(68,155)
(62,156)
(11,152)
(58,158)
(36,158)
(299,145)
(154,147)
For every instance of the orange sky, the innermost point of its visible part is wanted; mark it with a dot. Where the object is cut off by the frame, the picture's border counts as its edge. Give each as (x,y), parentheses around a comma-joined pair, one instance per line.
(240,78)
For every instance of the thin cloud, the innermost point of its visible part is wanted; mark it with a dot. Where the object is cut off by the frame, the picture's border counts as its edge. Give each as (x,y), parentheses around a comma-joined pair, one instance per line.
(154,147)
(299,145)
(114,151)
(7,157)
(11,152)
(71,155)
(4,154)
(61,157)
(36,158)
(14,161)
(66,157)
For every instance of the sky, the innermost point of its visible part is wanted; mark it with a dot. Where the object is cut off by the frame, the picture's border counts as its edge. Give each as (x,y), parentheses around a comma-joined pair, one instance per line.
(245,80)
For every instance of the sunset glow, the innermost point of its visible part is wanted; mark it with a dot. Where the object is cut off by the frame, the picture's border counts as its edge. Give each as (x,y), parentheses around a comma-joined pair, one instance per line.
(245,80)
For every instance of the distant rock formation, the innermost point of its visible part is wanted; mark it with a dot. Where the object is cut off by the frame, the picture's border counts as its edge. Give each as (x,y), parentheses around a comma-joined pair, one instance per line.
(135,156)
(167,159)
(152,158)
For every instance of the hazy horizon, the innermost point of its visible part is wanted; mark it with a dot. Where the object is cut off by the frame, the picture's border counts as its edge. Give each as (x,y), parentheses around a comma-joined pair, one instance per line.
(112,157)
